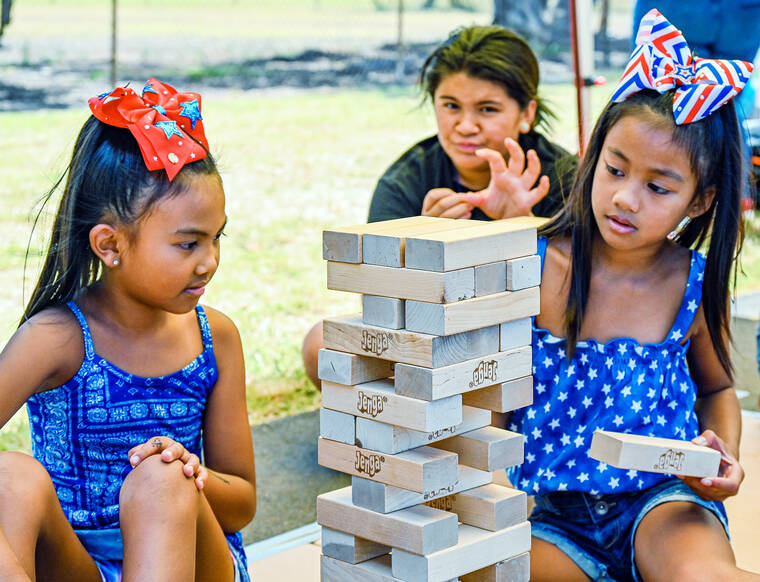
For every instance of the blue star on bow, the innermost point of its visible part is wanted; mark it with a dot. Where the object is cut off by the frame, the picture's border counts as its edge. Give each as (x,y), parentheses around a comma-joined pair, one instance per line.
(104,95)
(149,89)
(169,128)
(191,110)
(160,109)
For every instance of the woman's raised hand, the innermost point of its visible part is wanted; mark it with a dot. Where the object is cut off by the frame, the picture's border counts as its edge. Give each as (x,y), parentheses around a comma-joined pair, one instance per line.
(511,191)
(730,473)
(170,450)
(445,203)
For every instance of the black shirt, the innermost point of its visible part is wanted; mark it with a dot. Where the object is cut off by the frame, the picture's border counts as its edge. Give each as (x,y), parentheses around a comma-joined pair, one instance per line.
(403,187)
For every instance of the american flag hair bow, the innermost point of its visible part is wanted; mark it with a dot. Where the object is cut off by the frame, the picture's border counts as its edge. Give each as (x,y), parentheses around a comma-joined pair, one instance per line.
(160,119)
(662,61)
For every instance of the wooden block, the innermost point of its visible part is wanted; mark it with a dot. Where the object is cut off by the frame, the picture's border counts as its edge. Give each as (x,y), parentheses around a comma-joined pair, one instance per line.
(374,570)
(337,426)
(431,384)
(523,272)
(503,397)
(391,439)
(386,498)
(476,549)
(516,569)
(378,401)
(401,283)
(350,548)
(348,334)
(492,507)
(387,247)
(350,369)
(345,243)
(421,469)
(419,529)
(485,243)
(449,318)
(515,333)
(488,448)
(652,454)
(490,278)
(383,311)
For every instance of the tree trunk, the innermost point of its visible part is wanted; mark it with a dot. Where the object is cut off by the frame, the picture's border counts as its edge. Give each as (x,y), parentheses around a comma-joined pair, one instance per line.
(5,15)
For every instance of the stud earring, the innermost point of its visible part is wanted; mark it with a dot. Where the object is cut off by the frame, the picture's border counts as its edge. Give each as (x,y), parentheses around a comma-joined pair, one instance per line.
(116,262)
(676,233)
(524,127)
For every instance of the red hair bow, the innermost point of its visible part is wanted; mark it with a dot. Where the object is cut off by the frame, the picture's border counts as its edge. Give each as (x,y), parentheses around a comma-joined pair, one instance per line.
(161,121)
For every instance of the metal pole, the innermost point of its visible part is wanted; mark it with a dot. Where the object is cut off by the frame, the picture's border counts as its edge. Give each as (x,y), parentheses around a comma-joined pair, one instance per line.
(583,54)
(114,73)
(400,41)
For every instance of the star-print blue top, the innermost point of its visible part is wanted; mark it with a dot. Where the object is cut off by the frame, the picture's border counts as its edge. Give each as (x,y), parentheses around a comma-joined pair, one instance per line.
(82,431)
(620,386)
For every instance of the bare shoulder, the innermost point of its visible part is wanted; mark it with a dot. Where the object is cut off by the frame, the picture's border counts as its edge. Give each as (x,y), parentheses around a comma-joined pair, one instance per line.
(223,330)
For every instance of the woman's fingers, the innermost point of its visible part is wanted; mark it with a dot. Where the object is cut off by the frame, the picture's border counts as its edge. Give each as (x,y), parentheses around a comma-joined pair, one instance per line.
(495,160)
(153,446)
(445,203)
(532,170)
(516,158)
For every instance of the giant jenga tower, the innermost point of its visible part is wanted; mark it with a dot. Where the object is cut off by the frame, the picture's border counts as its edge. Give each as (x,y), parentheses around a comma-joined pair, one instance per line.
(408,388)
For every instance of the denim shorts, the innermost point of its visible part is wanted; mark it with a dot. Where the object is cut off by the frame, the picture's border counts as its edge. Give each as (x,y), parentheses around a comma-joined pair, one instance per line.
(597,531)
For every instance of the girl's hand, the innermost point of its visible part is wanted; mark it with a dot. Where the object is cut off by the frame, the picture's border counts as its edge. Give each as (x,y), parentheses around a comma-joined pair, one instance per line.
(510,191)
(730,473)
(170,450)
(445,203)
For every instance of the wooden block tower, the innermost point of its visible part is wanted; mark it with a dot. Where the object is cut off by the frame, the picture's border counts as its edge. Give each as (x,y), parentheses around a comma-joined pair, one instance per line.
(408,388)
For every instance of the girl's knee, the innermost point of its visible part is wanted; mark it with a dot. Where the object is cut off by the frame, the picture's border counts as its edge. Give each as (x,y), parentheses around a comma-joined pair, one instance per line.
(154,482)
(26,484)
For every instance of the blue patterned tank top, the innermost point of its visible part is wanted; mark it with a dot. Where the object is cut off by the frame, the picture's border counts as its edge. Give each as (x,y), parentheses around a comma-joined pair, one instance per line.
(621,386)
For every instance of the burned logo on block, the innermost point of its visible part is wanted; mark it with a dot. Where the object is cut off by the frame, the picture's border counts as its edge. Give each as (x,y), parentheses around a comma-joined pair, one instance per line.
(428,495)
(375,343)
(371,404)
(485,371)
(670,461)
(368,464)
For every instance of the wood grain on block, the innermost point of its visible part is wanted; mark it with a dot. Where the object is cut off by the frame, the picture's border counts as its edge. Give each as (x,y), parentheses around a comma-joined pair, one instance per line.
(378,401)
(489,242)
(420,529)
(349,334)
(374,570)
(503,397)
(386,498)
(515,333)
(383,311)
(655,455)
(523,272)
(476,549)
(345,243)
(431,384)
(350,369)
(488,448)
(391,439)
(421,469)
(490,278)
(449,318)
(337,426)
(401,283)
(387,247)
(350,548)
(516,569)
(492,507)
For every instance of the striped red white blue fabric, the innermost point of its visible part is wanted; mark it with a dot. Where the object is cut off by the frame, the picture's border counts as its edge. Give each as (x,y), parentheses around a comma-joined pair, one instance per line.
(662,61)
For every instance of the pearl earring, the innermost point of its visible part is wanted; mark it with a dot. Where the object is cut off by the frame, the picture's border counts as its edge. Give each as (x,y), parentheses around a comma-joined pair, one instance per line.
(524,127)
(116,262)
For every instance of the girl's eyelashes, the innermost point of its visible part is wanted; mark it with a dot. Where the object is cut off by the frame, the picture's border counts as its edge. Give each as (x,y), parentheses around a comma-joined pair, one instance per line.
(657,189)
(220,235)
(188,246)
(613,170)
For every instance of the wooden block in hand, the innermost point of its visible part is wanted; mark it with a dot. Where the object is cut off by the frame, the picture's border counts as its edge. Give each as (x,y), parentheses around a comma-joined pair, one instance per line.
(337,426)
(450,318)
(391,439)
(523,272)
(383,311)
(377,400)
(420,529)
(503,397)
(476,549)
(386,498)
(488,448)
(655,455)
(484,243)
(492,507)
(421,469)
(490,278)
(515,333)
(515,569)
(350,548)
(432,384)
(374,570)
(348,334)
(350,369)
(401,283)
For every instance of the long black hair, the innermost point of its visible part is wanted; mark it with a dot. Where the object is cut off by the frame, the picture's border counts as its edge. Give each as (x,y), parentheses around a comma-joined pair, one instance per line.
(106,180)
(714,148)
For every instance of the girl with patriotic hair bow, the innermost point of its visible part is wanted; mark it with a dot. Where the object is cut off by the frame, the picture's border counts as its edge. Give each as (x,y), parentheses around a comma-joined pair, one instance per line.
(122,371)
(633,332)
